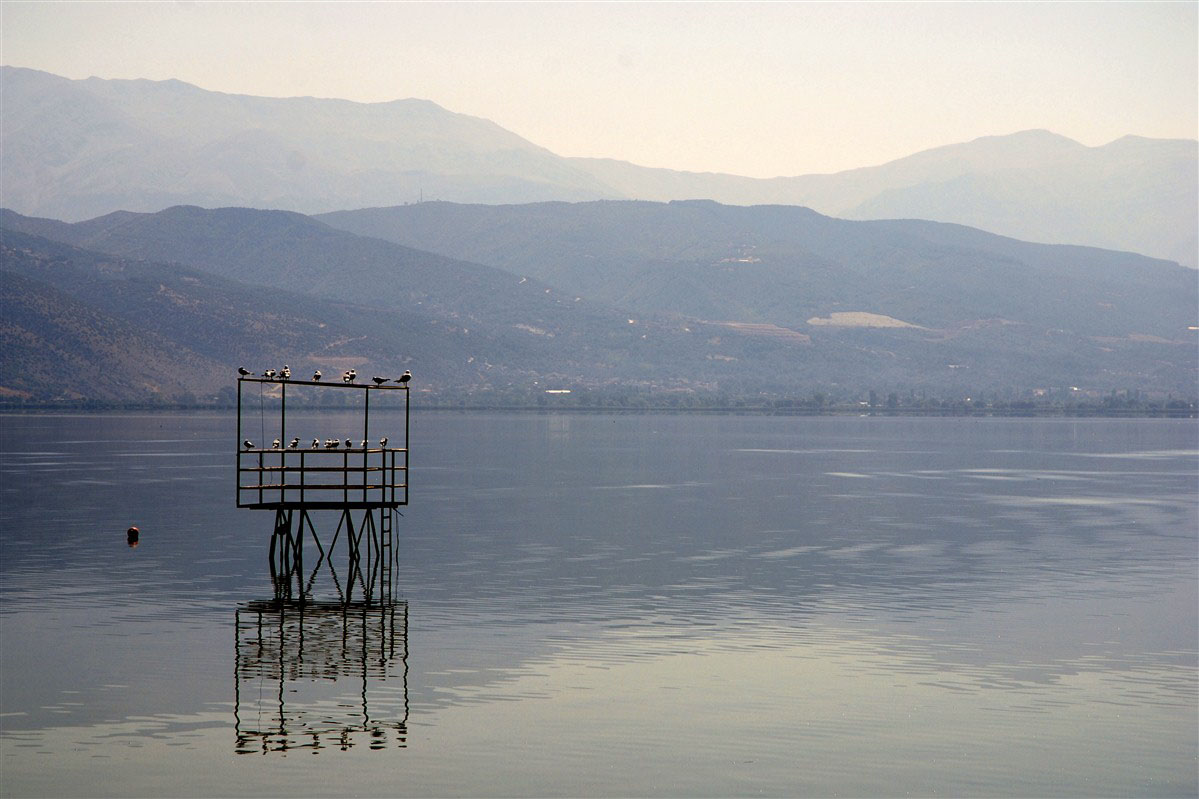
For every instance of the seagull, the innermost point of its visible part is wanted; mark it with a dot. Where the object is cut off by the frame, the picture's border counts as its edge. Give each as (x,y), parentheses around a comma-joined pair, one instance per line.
(295,442)
(275,444)
(248,444)
(269,374)
(349,444)
(334,443)
(383,441)
(316,443)
(353,375)
(378,381)
(316,375)
(345,377)
(364,443)
(404,378)
(286,372)
(243,371)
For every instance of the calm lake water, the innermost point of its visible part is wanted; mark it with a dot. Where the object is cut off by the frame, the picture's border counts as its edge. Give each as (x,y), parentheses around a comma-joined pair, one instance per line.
(614,605)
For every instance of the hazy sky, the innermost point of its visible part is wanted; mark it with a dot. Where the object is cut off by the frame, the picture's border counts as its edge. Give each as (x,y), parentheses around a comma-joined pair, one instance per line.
(759,89)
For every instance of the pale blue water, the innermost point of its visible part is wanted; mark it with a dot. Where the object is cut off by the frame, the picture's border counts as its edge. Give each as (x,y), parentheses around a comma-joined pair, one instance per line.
(615,605)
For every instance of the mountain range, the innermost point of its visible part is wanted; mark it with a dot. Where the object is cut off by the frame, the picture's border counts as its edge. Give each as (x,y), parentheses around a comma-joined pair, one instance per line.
(612,296)
(77,149)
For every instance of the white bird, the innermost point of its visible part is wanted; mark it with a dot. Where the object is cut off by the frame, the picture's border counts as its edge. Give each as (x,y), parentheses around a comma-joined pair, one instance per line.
(404,378)
(275,444)
(383,441)
(364,443)
(286,372)
(353,374)
(295,442)
(378,381)
(345,377)
(243,371)
(316,443)
(248,444)
(269,374)
(316,375)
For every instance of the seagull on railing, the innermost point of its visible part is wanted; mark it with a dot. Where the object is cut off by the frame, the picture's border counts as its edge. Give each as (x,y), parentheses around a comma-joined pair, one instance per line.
(364,443)
(383,442)
(275,444)
(334,443)
(295,442)
(316,443)
(352,375)
(286,372)
(349,444)
(378,381)
(248,444)
(243,371)
(404,378)
(269,374)
(316,376)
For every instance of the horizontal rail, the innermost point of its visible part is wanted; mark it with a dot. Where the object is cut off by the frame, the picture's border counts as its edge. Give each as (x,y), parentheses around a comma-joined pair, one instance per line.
(322,486)
(310,450)
(335,383)
(303,469)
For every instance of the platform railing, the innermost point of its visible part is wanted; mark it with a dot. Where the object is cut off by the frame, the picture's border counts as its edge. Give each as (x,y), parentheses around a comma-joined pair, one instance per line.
(314,478)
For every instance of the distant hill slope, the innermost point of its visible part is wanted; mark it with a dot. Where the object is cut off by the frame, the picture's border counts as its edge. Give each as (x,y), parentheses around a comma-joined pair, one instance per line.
(1135,194)
(459,327)
(82,324)
(735,300)
(785,265)
(75,149)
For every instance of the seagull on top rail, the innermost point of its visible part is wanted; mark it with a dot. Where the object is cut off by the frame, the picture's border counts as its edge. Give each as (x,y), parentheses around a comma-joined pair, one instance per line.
(243,371)
(295,442)
(269,374)
(383,442)
(349,444)
(248,444)
(404,378)
(286,372)
(316,376)
(378,381)
(275,444)
(316,443)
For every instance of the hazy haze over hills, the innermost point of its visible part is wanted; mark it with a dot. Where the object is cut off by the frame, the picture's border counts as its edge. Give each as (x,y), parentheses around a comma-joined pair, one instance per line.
(77,149)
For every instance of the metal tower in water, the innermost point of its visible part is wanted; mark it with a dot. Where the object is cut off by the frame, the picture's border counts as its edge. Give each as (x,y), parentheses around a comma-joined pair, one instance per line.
(362,479)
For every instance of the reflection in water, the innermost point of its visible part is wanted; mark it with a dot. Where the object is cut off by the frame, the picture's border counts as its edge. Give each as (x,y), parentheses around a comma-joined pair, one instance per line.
(295,663)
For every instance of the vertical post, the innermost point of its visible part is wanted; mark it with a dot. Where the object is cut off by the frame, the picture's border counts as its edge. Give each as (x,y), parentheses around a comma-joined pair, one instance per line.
(283,416)
(407,444)
(237,443)
(366,438)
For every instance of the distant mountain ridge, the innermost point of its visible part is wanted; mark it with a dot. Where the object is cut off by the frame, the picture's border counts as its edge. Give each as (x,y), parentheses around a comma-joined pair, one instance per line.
(612,296)
(74,150)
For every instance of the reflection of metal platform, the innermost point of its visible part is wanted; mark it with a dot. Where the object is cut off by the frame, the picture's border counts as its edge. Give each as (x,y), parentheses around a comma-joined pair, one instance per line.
(311,675)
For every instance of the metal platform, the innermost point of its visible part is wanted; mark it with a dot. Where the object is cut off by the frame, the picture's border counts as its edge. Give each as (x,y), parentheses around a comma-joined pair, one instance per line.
(365,485)
(270,478)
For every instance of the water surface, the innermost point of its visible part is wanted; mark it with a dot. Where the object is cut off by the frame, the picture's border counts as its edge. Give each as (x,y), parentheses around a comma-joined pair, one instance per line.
(614,605)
